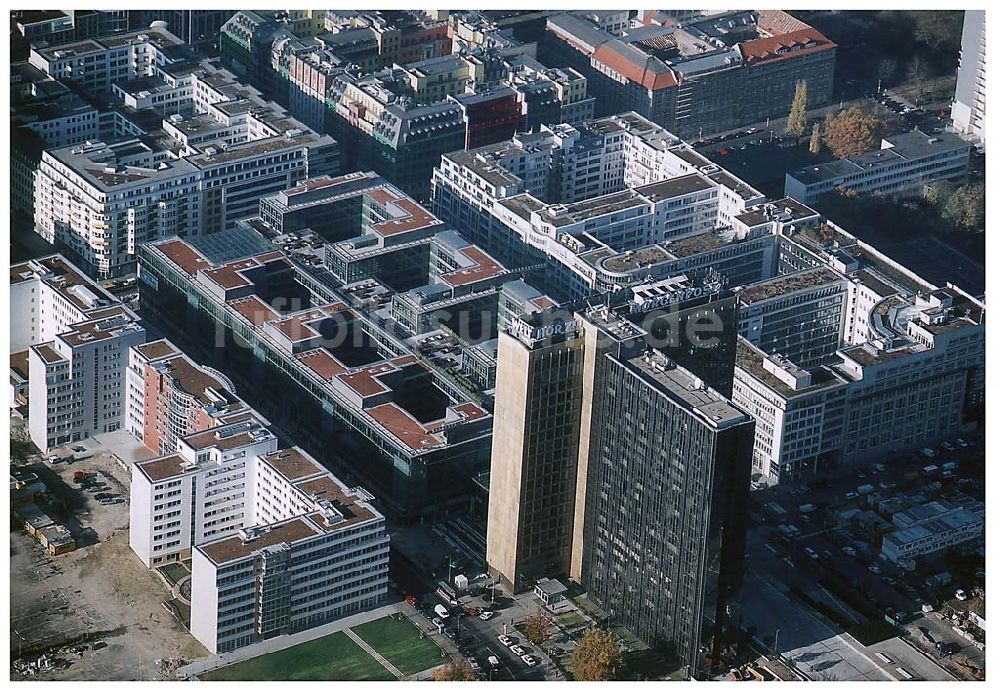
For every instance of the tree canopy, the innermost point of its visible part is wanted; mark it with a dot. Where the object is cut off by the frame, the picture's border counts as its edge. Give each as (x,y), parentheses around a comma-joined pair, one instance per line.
(796,124)
(597,656)
(455,671)
(536,627)
(852,132)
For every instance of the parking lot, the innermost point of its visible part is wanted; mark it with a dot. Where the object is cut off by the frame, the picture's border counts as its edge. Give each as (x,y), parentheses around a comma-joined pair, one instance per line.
(814,547)
(762,154)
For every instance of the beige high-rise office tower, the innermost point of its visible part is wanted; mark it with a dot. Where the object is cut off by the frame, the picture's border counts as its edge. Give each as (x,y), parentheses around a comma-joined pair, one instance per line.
(535,441)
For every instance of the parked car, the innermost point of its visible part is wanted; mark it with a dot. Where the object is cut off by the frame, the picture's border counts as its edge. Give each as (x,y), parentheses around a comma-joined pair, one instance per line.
(961,594)
(947,446)
(851,495)
(449,633)
(493,661)
(529,660)
(811,553)
(438,622)
(505,640)
(474,664)
(518,650)
(874,569)
(850,551)
(927,452)
(485,615)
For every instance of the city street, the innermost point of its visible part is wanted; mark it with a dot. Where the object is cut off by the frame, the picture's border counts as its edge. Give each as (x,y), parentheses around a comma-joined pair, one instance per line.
(819,648)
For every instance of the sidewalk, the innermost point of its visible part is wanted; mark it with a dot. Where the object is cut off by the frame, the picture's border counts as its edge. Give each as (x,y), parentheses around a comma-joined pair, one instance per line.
(375,654)
(279,643)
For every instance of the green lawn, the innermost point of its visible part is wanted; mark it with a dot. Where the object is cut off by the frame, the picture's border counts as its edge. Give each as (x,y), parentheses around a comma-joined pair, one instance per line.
(333,657)
(174,572)
(400,642)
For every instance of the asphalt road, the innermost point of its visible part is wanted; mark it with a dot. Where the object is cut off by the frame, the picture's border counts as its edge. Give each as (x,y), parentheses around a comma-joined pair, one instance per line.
(775,565)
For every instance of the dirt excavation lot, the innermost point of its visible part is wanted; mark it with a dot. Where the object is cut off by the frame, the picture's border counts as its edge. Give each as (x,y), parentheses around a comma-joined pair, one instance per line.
(95,613)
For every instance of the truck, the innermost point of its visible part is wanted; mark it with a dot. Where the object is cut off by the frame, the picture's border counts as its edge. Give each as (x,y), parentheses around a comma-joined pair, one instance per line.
(865,489)
(773,510)
(806,508)
(441,611)
(447,592)
(930,470)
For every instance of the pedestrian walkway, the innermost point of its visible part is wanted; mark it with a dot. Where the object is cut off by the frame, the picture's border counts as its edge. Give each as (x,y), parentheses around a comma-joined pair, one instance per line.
(375,654)
(279,643)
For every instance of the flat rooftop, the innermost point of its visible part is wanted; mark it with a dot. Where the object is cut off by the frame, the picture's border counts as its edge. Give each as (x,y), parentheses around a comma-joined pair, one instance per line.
(292,464)
(162,468)
(751,359)
(234,547)
(676,187)
(562,215)
(786,284)
(685,389)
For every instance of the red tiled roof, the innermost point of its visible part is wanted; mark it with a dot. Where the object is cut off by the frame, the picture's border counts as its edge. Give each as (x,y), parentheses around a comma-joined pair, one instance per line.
(416,217)
(485,268)
(650,79)
(766,50)
(470,410)
(227,277)
(777,22)
(364,382)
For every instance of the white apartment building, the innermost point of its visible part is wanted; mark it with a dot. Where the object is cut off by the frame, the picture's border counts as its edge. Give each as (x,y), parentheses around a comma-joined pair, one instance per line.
(277,543)
(903,166)
(916,379)
(932,527)
(102,201)
(799,414)
(968,111)
(76,337)
(97,64)
(571,196)
(221,148)
(919,378)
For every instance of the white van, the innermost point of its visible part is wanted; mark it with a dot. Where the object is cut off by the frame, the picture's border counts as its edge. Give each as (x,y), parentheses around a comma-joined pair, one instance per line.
(441,611)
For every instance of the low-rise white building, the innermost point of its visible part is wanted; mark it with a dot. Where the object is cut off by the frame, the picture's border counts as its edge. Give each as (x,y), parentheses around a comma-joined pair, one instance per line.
(931,527)
(799,414)
(903,165)
(916,378)
(218,147)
